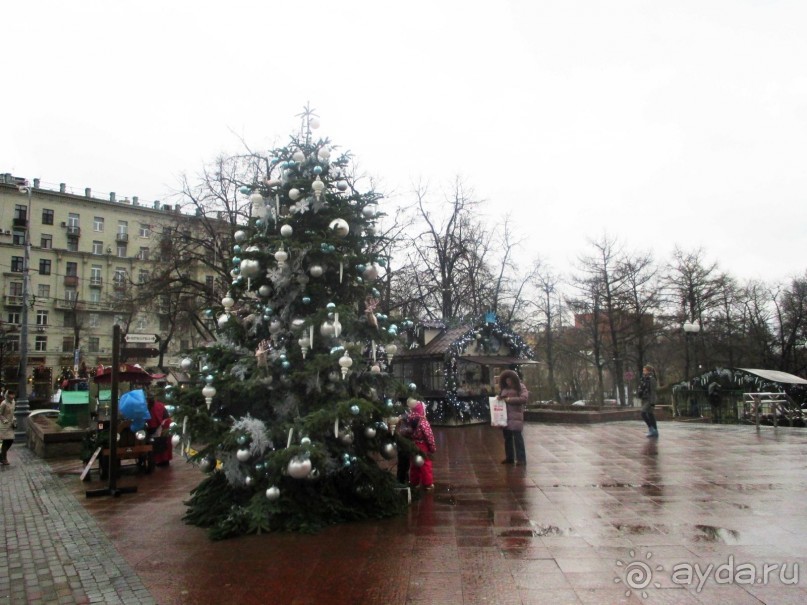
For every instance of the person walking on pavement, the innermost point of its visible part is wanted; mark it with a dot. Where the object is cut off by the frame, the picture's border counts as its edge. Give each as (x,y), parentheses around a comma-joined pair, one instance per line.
(515,396)
(7,425)
(648,395)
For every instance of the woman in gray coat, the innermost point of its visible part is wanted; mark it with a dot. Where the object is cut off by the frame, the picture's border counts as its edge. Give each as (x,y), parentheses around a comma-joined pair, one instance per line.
(7,425)
(515,396)
(648,395)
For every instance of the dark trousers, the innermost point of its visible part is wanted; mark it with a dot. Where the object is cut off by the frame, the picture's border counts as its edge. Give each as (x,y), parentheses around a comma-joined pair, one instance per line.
(4,449)
(648,416)
(514,446)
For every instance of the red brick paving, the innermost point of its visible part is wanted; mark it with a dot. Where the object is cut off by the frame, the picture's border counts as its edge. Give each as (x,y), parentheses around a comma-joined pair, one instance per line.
(495,534)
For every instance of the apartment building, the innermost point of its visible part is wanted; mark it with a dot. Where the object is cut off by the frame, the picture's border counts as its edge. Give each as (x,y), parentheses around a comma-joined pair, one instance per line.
(86,255)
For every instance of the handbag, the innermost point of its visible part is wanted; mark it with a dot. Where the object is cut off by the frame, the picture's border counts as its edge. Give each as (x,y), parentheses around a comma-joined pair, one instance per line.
(498,412)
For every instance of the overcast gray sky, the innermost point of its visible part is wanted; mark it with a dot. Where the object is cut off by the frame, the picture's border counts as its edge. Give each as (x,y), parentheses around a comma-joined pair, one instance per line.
(660,123)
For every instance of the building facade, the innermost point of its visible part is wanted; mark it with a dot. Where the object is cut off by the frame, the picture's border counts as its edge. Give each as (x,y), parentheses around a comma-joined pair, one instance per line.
(87,257)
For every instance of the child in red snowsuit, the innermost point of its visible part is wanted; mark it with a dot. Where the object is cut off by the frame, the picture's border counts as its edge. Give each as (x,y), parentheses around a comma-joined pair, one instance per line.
(423,438)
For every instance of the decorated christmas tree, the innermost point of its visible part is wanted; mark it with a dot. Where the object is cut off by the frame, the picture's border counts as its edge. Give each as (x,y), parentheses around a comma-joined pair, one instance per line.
(293,410)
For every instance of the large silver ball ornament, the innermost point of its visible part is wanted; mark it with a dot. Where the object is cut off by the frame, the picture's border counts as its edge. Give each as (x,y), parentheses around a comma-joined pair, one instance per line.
(286,230)
(273,493)
(315,270)
(240,236)
(299,467)
(242,454)
(388,450)
(176,440)
(339,227)
(207,464)
(346,437)
(264,291)
(186,364)
(369,432)
(249,480)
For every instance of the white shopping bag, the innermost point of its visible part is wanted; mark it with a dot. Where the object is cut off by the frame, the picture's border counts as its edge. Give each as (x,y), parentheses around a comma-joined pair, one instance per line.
(498,412)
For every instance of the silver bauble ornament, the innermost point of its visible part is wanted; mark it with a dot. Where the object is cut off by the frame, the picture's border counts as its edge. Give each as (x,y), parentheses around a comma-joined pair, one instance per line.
(286,230)
(186,364)
(339,227)
(388,450)
(240,236)
(249,480)
(272,493)
(315,270)
(264,291)
(369,432)
(346,437)
(299,468)
(305,441)
(175,440)
(242,454)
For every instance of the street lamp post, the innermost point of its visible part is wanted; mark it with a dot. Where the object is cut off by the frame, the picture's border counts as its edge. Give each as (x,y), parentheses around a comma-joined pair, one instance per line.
(22,407)
(690,329)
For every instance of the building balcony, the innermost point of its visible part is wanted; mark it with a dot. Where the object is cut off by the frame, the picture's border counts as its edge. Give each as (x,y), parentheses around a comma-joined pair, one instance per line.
(20,223)
(12,301)
(96,282)
(71,280)
(65,304)
(73,231)
(119,286)
(122,238)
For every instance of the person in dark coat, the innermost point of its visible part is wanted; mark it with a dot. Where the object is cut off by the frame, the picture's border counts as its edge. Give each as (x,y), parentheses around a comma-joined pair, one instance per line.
(515,395)
(648,395)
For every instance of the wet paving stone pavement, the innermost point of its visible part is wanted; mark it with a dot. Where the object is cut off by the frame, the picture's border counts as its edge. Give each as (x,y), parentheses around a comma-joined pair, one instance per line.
(601,514)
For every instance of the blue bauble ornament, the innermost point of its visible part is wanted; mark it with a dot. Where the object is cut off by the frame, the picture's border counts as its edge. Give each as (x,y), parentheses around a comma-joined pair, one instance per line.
(242,439)
(382,262)
(330,306)
(354,409)
(209,312)
(306,300)
(375,293)
(245,190)
(236,249)
(317,169)
(360,268)
(236,260)
(259,223)
(285,365)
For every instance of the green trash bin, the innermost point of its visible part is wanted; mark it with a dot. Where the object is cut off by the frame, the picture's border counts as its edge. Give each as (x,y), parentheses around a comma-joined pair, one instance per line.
(74,409)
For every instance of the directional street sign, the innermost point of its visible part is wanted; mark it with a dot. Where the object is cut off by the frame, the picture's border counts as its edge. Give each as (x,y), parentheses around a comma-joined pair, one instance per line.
(145,339)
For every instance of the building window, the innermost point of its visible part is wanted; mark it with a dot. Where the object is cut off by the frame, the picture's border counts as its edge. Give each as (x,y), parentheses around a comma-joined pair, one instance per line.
(69,319)
(94,344)
(21,212)
(71,269)
(14,317)
(13,343)
(41,344)
(143,254)
(141,323)
(94,320)
(145,230)
(143,276)
(123,227)
(16,264)
(210,282)
(121,250)
(72,244)
(70,294)
(44,266)
(41,318)
(120,276)
(73,219)
(47,216)
(97,247)
(119,320)
(67,344)
(18,238)
(46,242)
(95,296)
(15,288)
(98,223)
(43,291)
